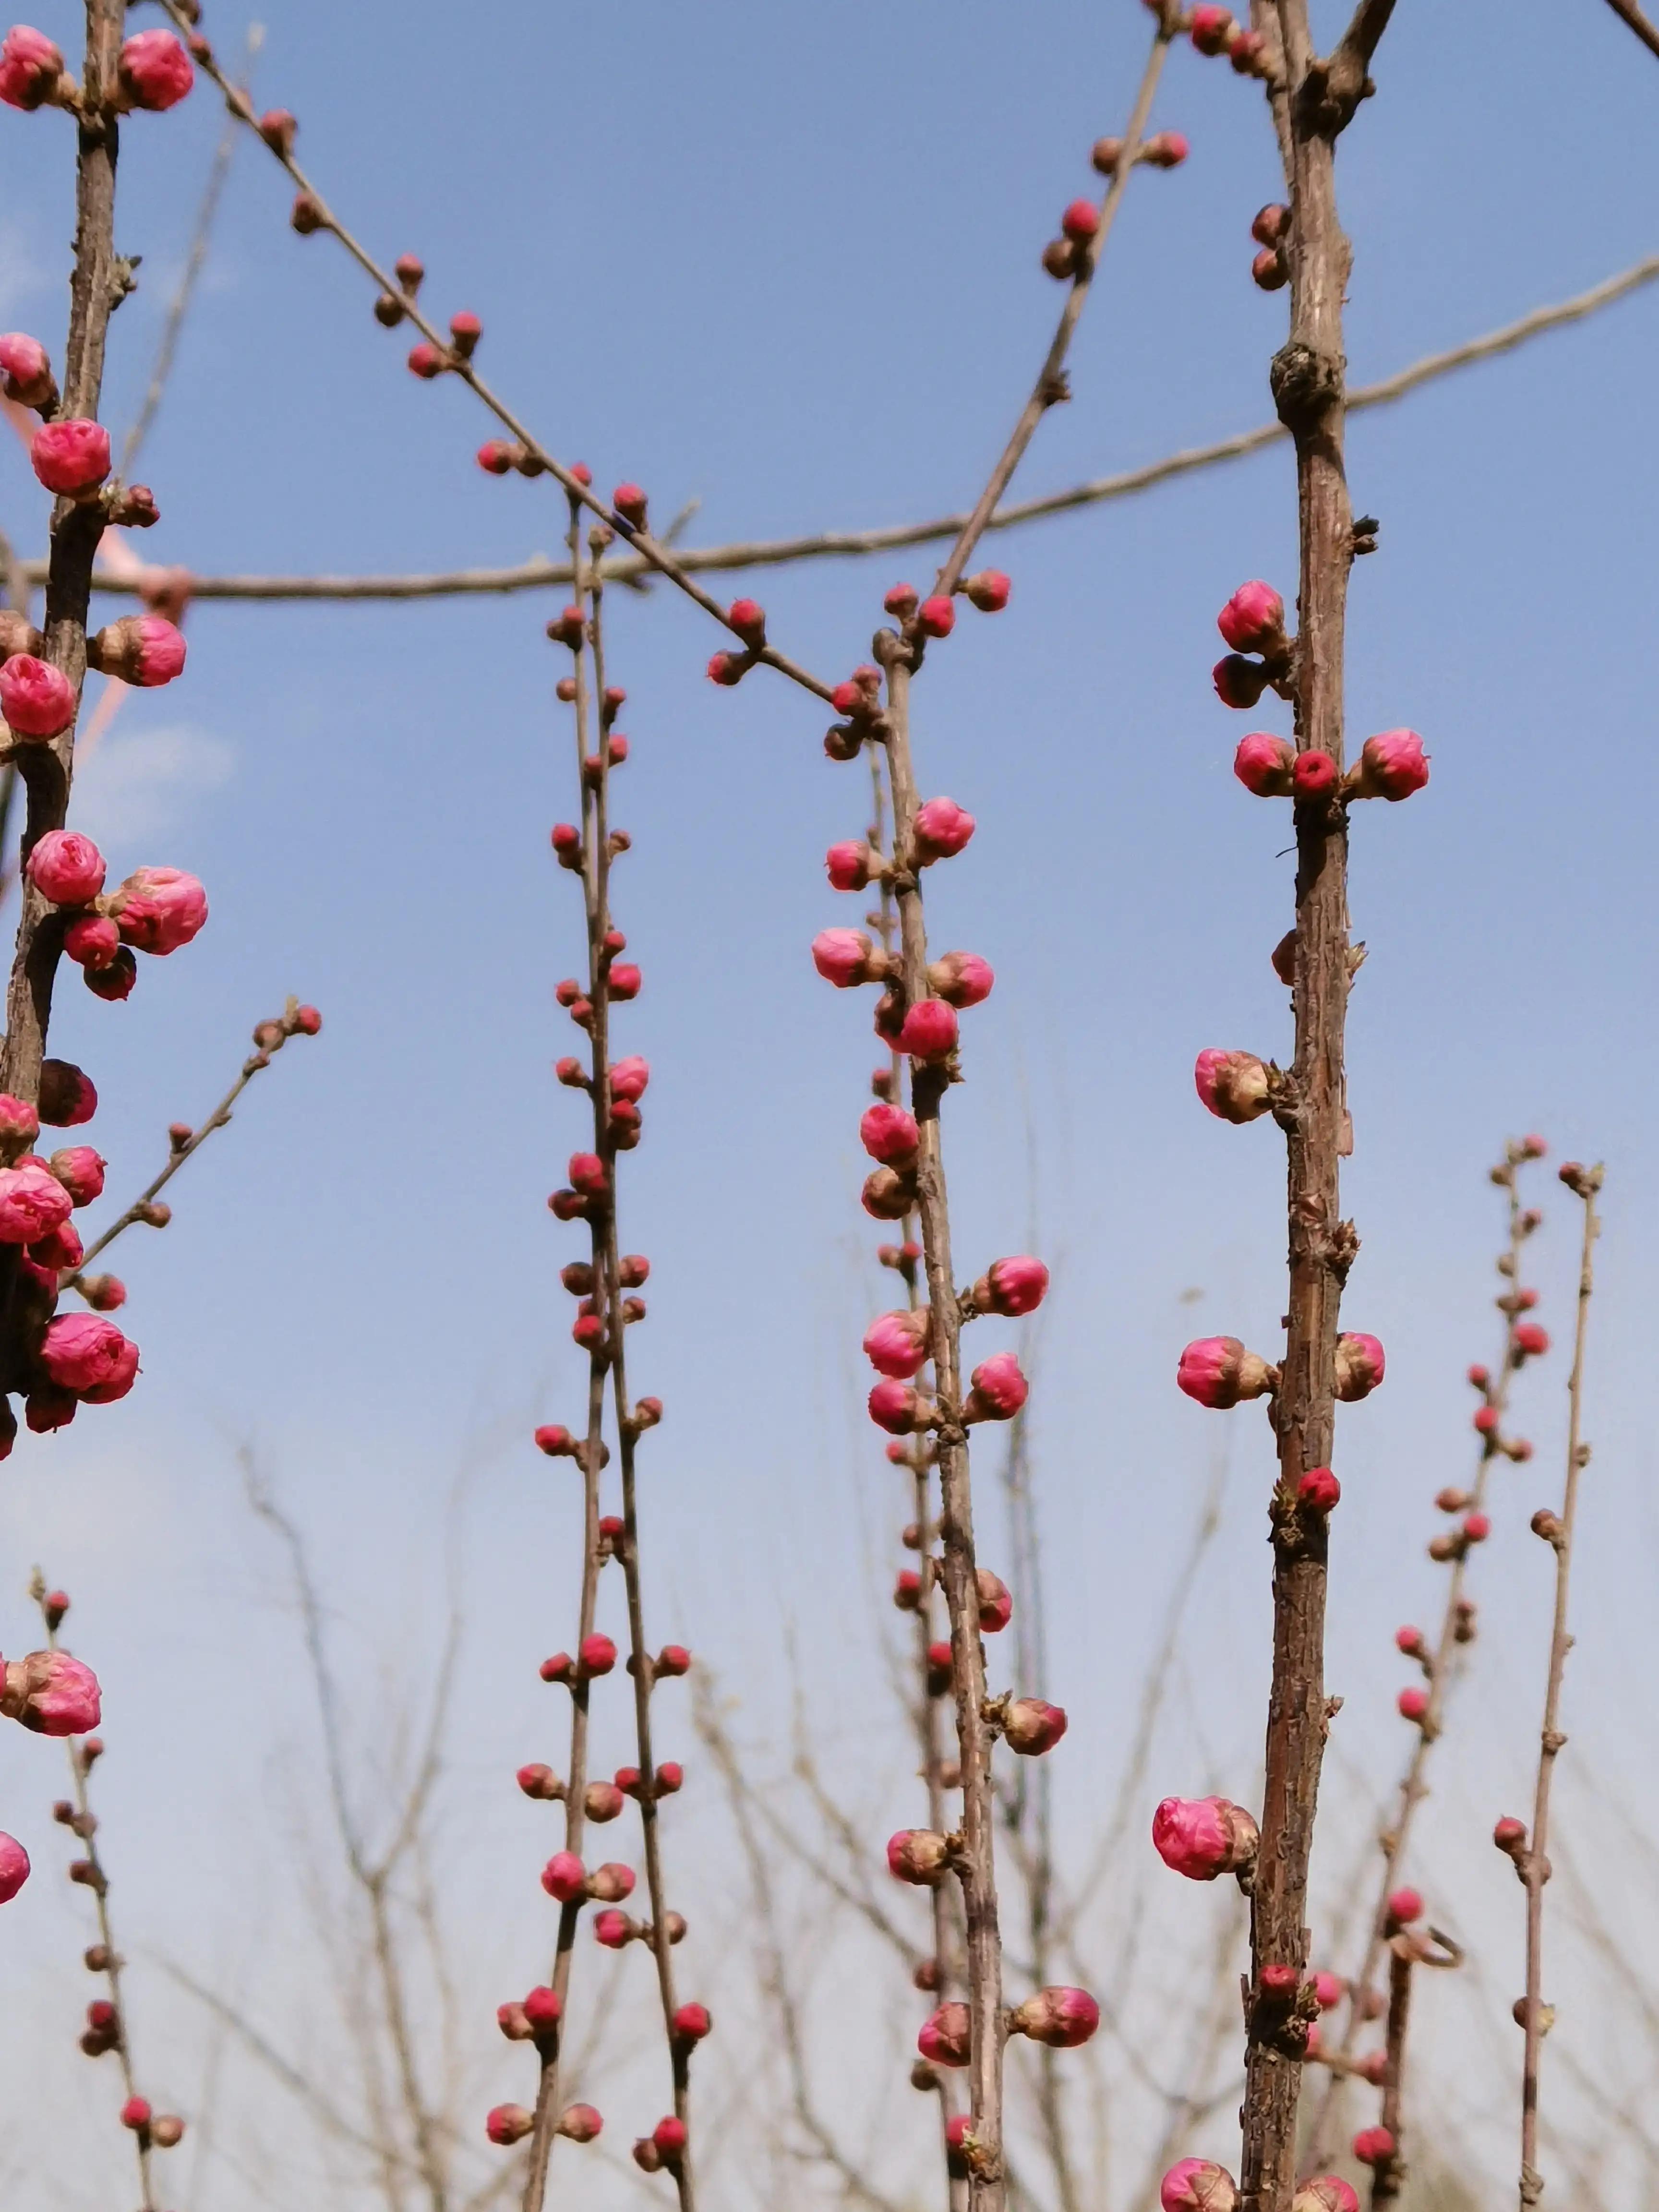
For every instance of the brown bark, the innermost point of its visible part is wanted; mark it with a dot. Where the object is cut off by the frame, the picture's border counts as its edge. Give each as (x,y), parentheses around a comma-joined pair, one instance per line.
(1388,2174)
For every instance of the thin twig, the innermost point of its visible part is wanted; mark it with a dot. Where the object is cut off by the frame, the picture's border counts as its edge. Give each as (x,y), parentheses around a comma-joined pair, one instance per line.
(1629,13)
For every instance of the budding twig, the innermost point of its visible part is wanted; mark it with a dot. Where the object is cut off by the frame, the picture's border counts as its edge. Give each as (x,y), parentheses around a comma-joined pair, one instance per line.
(1532,1863)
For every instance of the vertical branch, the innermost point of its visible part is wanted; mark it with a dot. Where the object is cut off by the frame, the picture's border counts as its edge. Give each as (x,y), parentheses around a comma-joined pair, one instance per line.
(1532,1860)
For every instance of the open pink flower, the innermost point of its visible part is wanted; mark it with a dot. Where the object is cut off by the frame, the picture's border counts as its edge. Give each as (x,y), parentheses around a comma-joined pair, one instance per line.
(1217,1370)
(896,1343)
(156,70)
(999,1390)
(1061,2018)
(66,867)
(1016,1285)
(85,1353)
(946,2036)
(1198,2185)
(32,1203)
(37,700)
(940,830)
(142,649)
(159,910)
(14,1868)
(51,1693)
(1204,1837)
(30,66)
(70,456)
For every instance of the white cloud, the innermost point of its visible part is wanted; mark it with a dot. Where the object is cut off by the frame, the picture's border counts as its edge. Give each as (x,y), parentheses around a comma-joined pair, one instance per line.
(137,783)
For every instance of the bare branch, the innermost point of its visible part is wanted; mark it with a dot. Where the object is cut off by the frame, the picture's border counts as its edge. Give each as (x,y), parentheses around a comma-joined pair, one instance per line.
(1628,12)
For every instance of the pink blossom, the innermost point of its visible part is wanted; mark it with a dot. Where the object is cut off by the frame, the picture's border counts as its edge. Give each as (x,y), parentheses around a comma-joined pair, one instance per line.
(1197,2184)
(1313,776)
(30,66)
(629,503)
(1061,2018)
(51,1693)
(1204,1837)
(1326,2192)
(919,1857)
(85,1353)
(1360,1367)
(1414,1704)
(1265,763)
(62,1249)
(25,365)
(32,1203)
(940,830)
(1329,1990)
(1080,220)
(928,1030)
(1319,1490)
(596,1654)
(509,2124)
(70,456)
(14,1868)
(890,1134)
(962,979)
(996,1604)
(613,1929)
(19,1122)
(579,2124)
(159,910)
(896,1343)
(998,1390)
(1373,2146)
(1510,1834)
(946,2036)
(67,1097)
(142,649)
(847,956)
(1530,1342)
(80,1171)
(1165,149)
(1238,683)
(1217,1370)
(543,2008)
(988,588)
(1016,1285)
(849,865)
(623,980)
(92,940)
(1404,1905)
(1391,766)
(1235,1086)
(66,867)
(1031,1726)
(564,1877)
(156,70)
(37,700)
(899,1408)
(936,617)
(1211,27)
(692,2022)
(629,1078)
(1252,620)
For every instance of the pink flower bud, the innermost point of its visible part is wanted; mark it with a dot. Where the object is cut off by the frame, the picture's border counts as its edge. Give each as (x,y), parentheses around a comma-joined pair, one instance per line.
(1238,683)
(1360,1367)
(156,70)
(1252,620)
(1486,1420)
(579,2124)
(142,649)
(962,979)
(37,700)
(847,956)
(82,1353)
(1410,1641)
(611,1883)
(92,940)
(1080,222)
(1272,223)
(1373,2146)
(51,1693)
(1197,2184)
(70,456)
(279,129)
(425,360)
(1269,270)
(80,1171)
(601,1802)
(899,1408)
(624,981)
(946,2036)
(937,618)
(32,1203)
(66,867)
(629,503)
(1414,1704)
(1265,764)
(1329,1990)
(512,2021)
(907,1590)
(116,979)
(30,66)
(509,2123)
(1205,1836)
(1235,1086)
(673,1660)
(928,1032)
(1016,1285)
(20,1124)
(990,588)
(25,365)
(564,1877)
(540,1782)
(1477,1527)
(669,2136)
(940,830)
(896,1343)
(14,1868)
(1319,1490)
(1210,29)
(919,1857)
(1061,2018)
(1326,2192)
(1530,1341)
(890,1134)
(613,1929)
(1511,1835)
(1404,1905)
(159,910)
(692,2022)
(1392,766)
(1217,1370)
(1031,1726)
(996,1606)
(1313,776)
(848,866)
(596,1654)
(543,2008)
(586,1171)
(998,1390)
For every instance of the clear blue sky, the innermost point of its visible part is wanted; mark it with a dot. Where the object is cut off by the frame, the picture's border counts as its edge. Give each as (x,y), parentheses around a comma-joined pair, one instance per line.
(787,265)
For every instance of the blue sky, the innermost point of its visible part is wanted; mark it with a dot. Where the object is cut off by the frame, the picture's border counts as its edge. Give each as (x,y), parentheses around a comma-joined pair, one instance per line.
(788,268)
